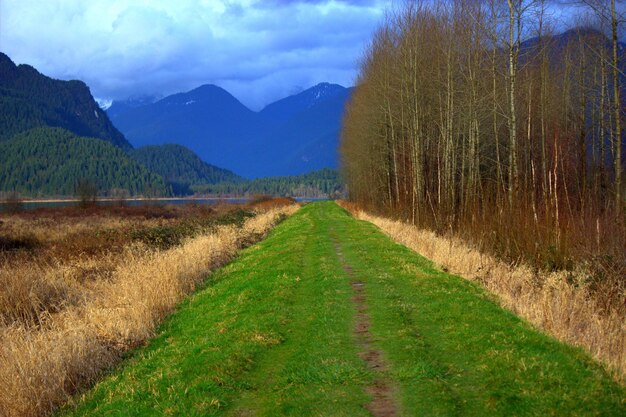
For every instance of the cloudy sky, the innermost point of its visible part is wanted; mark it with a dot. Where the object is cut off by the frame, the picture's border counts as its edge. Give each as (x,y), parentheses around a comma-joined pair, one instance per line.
(259,50)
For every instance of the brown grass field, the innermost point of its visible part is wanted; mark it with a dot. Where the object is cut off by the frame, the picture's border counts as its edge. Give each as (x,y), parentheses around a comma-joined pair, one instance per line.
(80,287)
(559,303)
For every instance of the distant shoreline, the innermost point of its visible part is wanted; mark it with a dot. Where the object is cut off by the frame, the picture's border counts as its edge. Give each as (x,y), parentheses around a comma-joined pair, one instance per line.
(114,200)
(109,199)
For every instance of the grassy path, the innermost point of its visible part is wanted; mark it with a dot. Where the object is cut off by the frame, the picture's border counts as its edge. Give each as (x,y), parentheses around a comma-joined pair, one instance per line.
(314,320)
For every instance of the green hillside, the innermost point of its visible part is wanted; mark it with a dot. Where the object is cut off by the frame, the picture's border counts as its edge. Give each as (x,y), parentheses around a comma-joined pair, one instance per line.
(181,167)
(52,161)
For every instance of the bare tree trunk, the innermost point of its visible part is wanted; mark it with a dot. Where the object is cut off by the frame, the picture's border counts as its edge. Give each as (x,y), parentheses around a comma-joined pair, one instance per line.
(602,132)
(617,107)
(582,118)
(544,104)
(513,53)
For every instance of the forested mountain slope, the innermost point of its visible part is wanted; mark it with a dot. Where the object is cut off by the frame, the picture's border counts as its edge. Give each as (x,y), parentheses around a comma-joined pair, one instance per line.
(29,99)
(52,161)
(181,167)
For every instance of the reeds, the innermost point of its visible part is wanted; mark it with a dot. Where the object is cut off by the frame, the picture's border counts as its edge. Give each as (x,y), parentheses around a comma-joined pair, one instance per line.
(51,350)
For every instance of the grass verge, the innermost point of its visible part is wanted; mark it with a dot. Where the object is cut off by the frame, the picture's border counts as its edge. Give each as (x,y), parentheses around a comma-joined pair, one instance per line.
(560,303)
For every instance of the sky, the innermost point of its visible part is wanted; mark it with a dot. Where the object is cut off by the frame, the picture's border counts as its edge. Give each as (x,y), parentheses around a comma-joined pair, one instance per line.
(259,50)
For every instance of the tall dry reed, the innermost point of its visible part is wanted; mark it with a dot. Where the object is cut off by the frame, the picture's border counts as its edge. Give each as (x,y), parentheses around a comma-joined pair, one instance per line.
(557,302)
(42,366)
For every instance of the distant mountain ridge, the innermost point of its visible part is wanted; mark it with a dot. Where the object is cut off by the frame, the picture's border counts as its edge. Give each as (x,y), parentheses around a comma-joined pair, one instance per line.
(283,109)
(29,100)
(309,138)
(292,136)
(207,120)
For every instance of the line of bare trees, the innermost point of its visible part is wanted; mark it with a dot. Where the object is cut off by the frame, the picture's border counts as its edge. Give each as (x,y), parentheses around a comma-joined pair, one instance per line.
(473,117)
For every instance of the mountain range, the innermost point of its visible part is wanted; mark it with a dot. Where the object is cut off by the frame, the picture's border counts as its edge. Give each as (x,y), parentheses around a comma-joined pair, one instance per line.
(294,135)
(54,136)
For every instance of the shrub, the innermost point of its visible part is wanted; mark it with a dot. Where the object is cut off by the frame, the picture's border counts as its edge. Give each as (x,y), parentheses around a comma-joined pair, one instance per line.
(87,192)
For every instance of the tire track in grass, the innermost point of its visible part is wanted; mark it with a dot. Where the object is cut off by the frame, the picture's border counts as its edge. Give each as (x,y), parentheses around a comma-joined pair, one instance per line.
(316,370)
(381,390)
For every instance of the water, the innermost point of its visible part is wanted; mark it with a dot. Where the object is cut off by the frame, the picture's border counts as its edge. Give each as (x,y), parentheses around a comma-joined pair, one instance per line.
(31,205)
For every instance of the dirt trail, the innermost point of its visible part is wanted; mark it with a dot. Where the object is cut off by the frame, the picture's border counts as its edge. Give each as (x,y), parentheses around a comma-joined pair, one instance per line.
(383,403)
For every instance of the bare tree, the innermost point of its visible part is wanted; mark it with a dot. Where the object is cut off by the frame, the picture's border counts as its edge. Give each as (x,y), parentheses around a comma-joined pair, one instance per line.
(13,202)
(87,192)
(458,125)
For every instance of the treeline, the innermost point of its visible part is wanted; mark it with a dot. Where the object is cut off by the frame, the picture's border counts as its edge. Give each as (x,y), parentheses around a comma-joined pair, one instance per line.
(322,183)
(459,126)
(55,162)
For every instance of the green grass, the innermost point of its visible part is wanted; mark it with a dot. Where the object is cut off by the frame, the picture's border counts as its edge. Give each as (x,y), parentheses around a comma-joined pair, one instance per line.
(272,334)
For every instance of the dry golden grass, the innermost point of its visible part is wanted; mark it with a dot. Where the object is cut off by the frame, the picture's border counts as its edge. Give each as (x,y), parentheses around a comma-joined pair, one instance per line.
(51,226)
(48,230)
(44,361)
(51,259)
(554,302)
